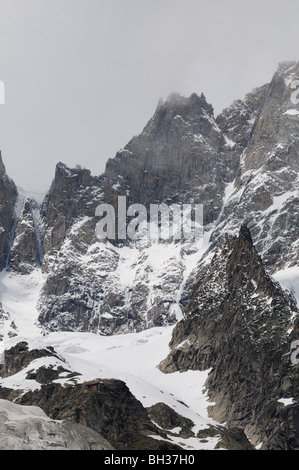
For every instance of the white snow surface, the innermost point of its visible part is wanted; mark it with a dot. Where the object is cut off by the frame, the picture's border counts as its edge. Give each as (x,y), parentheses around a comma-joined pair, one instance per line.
(292,112)
(286,401)
(132,357)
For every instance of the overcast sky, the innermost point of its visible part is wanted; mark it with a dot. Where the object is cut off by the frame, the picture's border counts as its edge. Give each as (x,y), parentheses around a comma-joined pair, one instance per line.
(82,77)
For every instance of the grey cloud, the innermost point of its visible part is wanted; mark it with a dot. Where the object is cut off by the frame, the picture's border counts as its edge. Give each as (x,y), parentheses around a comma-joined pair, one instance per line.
(83,77)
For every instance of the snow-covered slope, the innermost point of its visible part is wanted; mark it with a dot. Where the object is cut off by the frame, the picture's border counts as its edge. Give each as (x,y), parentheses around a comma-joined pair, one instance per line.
(132,358)
(108,289)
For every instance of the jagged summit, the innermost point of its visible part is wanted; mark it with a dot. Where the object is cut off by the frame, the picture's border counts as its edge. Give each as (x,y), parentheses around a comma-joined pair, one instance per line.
(2,167)
(8,199)
(238,326)
(62,171)
(195,103)
(288,67)
(192,108)
(178,157)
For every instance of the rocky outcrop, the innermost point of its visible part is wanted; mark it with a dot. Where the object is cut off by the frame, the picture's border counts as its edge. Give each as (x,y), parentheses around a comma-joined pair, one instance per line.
(74,194)
(108,408)
(25,254)
(230,438)
(168,419)
(20,356)
(238,324)
(177,425)
(7,325)
(105,406)
(8,199)
(29,428)
(238,119)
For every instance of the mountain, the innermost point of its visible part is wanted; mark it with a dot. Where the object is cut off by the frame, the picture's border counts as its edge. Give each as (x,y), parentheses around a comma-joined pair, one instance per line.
(8,199)
(219,310)
(182,136)
(240,325)
(265,193)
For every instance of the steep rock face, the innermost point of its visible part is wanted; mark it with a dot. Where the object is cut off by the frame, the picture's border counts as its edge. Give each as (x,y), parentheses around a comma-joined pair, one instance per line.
(108,408)
(72,289)
(73,194)
(180,156)
(8,198)
(25,254)
(238,324)
(265,193)
(103,286)
(86,287)
(242,166)
(237,120)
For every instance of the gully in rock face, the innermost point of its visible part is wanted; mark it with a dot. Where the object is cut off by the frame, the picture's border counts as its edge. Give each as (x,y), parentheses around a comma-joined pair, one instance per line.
(163,222)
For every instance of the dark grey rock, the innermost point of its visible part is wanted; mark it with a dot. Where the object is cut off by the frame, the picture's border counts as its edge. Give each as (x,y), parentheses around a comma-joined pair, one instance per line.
(8,199)
(25,254)
(238,324)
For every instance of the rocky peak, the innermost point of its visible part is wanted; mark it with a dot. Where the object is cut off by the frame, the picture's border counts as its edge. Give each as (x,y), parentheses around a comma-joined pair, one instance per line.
(244,265)
(26,254)
(74,176)
(265,192)
(245,235)
(74,193)
(8,199)
(288,69)
(237,121)
(2,167)
(181,156)
(275,132)
(238,324)
(188,108)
